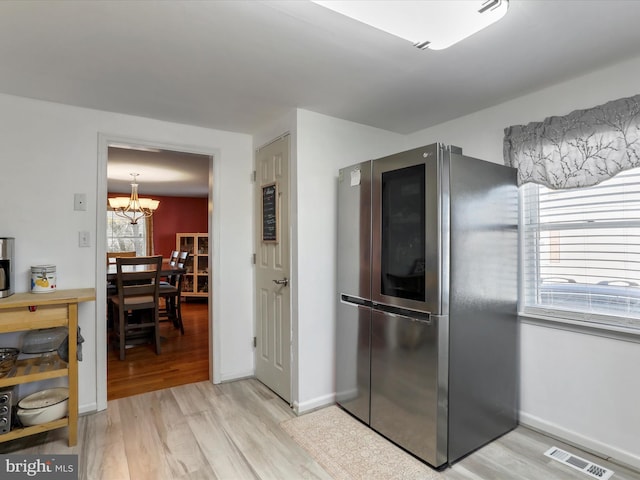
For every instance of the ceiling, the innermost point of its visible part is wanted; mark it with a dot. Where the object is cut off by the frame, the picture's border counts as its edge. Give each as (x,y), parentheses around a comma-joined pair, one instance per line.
(236,65)
(160,172)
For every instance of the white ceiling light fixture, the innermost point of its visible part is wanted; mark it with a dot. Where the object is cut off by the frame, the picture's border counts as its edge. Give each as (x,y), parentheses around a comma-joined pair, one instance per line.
(434,24)
(133,208)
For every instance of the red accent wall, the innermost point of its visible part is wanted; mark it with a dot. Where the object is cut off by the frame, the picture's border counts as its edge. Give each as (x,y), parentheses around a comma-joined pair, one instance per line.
(177,215)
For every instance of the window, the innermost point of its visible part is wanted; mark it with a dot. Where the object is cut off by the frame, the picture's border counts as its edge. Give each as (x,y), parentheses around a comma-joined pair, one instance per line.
(581,251)
(122,236)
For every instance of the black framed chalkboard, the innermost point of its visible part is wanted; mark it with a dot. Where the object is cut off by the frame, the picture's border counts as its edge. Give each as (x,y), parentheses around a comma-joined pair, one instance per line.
(270,213)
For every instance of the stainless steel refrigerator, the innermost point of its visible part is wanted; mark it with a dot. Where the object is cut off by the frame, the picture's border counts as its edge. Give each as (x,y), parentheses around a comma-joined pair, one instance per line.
(427,332)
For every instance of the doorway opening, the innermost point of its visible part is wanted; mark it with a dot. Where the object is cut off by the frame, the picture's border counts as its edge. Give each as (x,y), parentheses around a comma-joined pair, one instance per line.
(182,181)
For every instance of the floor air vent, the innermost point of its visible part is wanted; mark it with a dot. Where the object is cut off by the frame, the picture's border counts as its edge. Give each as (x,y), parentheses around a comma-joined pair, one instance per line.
(585,466)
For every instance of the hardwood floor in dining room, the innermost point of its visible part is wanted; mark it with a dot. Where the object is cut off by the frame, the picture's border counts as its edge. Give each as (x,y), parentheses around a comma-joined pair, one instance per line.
(184,358)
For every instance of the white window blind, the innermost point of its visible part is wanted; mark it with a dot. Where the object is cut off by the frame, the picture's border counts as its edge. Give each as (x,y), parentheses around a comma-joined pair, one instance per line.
(581,251)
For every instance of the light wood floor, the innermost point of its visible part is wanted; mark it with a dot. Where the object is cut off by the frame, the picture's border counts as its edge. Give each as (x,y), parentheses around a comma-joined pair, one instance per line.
(184,358)
(232,431)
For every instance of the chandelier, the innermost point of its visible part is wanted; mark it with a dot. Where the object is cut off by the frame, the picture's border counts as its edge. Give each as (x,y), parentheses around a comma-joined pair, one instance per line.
(133,208)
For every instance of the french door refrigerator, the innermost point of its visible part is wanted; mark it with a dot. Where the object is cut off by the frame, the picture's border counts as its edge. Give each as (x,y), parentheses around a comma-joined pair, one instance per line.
(427,332)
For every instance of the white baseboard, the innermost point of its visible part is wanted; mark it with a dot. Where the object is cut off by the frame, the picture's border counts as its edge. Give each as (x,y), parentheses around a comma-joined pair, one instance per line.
(313,404)
(229,377)
(595,447)
(347,395)
(88,408)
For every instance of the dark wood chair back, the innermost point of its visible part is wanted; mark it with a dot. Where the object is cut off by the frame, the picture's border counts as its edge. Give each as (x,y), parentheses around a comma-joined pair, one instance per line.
(138,282)
(138,277)
(111,256)
(173,258)
(172,293)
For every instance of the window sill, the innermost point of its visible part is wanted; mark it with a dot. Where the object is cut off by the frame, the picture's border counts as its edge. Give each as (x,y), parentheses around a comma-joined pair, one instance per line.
(600,330)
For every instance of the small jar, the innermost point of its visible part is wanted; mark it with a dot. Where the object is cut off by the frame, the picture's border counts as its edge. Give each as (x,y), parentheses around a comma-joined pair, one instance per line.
(43,278)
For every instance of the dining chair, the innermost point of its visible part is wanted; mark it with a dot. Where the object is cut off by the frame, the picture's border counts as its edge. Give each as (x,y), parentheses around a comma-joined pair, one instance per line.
(111,286)
(172,262)
(111,256)
(171,292)
(135,305)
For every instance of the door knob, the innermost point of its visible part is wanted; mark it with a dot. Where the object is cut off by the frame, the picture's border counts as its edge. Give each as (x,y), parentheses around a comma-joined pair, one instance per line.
(284,281)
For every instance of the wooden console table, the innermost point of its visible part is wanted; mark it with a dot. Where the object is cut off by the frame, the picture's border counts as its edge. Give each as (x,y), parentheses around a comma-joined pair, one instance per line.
(30,311)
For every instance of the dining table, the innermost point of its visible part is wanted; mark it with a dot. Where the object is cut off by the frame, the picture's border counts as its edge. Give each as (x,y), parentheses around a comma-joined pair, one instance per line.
(165,271)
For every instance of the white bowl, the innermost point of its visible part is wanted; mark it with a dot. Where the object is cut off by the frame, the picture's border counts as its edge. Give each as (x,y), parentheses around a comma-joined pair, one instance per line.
(44,406)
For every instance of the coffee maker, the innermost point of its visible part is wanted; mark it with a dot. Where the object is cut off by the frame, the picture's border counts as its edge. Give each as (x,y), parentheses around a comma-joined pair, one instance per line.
(7,278)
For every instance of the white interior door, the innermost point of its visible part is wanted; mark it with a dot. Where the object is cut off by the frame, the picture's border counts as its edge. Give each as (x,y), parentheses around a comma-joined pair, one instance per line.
(273,292)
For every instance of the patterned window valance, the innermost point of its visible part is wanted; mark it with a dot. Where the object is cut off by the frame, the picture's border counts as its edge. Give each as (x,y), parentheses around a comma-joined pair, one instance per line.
(581,149)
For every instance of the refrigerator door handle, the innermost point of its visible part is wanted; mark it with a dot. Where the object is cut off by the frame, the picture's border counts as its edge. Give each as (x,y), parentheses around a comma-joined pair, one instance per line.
(404,313)
(422,319)
(355,301)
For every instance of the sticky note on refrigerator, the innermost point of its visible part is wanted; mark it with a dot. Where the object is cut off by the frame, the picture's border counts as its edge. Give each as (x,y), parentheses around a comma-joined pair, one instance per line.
(355,177)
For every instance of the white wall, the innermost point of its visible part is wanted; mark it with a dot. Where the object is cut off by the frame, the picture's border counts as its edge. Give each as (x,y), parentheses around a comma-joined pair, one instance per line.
(324,145)
(581,387)
(49,151)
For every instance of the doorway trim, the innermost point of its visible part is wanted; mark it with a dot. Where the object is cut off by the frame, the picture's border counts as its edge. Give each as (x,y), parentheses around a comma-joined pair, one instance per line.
(104,140)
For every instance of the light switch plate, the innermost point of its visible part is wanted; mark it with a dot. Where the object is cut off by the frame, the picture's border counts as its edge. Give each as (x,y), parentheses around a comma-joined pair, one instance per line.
(80,201)
(84,239)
